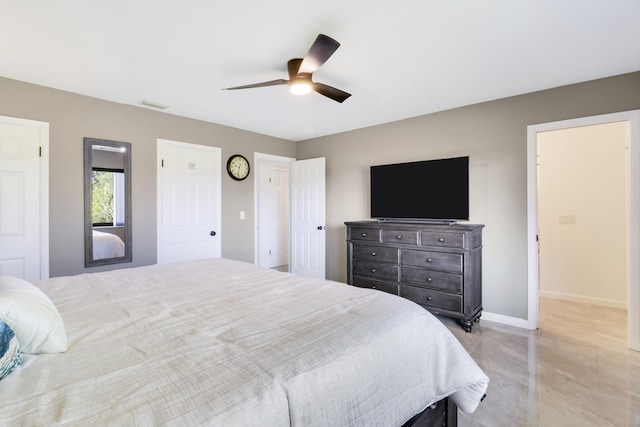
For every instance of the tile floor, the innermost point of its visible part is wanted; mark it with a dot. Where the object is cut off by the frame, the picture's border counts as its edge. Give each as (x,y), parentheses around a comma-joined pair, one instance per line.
(575,370)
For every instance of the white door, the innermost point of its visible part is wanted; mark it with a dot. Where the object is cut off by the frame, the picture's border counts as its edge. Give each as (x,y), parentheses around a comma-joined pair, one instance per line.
(307,247)
(24,198)
(273,214)
(188,201)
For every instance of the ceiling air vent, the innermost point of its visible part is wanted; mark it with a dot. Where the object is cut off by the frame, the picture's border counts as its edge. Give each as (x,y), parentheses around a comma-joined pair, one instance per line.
(154,104)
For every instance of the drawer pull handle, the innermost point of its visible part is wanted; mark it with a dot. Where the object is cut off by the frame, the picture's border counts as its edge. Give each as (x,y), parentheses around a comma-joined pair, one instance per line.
(364,234)
(441,240)
(373,270)
(429,298)
(429,279)
(398,237)
(373,254)
(428,259)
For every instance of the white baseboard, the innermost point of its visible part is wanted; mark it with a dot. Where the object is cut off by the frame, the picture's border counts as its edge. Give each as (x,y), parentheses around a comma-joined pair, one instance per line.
(505,320)
(583,299)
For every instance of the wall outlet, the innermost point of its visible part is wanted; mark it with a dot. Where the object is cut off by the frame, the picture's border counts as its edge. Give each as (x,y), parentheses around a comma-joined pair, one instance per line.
(567,219)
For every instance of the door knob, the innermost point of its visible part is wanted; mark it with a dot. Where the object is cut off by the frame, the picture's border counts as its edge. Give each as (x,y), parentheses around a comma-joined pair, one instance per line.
(320,227)
(212,233)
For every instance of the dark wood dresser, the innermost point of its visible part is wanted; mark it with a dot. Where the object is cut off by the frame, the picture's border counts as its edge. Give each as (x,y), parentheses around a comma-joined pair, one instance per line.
(438,266)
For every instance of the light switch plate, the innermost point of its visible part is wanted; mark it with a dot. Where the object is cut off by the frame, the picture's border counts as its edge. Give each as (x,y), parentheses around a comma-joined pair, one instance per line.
(567,219)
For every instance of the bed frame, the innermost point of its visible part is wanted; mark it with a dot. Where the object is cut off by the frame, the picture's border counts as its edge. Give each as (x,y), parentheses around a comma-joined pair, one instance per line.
(441,413)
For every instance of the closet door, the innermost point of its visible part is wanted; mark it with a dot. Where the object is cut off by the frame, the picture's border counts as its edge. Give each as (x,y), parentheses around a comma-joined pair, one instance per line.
(24,237)
(188,201)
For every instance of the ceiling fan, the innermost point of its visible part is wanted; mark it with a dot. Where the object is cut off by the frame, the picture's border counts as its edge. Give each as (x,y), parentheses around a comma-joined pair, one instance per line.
(301,71)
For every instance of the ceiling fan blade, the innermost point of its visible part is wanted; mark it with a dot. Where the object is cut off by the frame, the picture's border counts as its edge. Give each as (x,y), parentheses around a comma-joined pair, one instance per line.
(321,49)
(331,92)
(263,84)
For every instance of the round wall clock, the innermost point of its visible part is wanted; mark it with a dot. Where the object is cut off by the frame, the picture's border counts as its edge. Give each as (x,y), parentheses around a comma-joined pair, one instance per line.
(238,167)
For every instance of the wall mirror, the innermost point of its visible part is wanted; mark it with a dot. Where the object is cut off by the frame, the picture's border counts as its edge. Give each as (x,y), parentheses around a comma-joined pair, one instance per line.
(107,202)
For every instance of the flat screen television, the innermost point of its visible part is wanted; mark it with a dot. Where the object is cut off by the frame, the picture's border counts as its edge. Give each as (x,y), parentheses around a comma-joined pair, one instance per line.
(436,190)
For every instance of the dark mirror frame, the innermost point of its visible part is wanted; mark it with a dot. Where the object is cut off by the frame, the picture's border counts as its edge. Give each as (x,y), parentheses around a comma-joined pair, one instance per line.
(88,220)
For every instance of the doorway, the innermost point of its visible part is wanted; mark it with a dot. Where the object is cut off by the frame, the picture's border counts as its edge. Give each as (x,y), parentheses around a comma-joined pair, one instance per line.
(306,214)
(632,273)
(271,182)
(582,233)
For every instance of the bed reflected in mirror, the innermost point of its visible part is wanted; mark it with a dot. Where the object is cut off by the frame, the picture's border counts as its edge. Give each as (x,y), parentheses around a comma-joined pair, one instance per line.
(107,202)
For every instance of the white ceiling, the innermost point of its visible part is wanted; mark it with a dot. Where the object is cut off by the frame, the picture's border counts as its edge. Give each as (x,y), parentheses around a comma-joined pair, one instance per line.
(398,59)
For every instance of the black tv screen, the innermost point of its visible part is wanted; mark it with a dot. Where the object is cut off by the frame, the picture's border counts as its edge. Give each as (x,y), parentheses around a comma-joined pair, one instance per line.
(429,190)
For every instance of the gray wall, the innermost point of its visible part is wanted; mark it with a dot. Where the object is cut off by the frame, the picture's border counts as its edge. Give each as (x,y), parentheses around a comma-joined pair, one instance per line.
(494,135)
(72,117)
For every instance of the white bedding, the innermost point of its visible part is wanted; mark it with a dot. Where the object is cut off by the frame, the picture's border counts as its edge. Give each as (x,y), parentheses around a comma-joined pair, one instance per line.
(107,245)
(225,343)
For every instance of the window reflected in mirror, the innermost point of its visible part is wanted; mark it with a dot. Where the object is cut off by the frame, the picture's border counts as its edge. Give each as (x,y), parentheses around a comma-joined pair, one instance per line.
(107,202)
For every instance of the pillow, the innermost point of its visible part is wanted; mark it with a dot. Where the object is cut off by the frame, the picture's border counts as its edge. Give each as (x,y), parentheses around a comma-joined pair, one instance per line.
(9,350)
(32,317)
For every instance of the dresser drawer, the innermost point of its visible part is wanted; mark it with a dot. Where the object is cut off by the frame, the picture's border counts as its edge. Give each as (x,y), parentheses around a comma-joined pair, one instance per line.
(433,260)
(444,239)
(433,299)
(375,253)
(374,270)
(365,234)
(450,282)
(388,287)
(437,266)
(404,237)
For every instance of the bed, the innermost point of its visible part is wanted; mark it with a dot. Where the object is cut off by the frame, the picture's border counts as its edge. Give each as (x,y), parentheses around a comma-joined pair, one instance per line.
(226,343)
(107,245)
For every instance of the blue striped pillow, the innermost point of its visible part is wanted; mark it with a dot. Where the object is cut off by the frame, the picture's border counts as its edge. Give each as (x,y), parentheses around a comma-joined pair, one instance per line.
(9,350)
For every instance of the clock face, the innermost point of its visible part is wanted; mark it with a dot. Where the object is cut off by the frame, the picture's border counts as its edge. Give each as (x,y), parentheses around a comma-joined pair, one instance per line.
(238,167)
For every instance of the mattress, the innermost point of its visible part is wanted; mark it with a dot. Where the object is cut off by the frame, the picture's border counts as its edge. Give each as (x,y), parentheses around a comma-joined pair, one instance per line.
(226,343)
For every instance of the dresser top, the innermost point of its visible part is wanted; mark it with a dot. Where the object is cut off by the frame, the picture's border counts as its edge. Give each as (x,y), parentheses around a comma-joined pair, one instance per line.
(415,225)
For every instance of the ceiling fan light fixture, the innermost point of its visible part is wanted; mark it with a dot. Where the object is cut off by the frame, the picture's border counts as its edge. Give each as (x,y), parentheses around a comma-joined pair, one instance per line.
(300,88)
